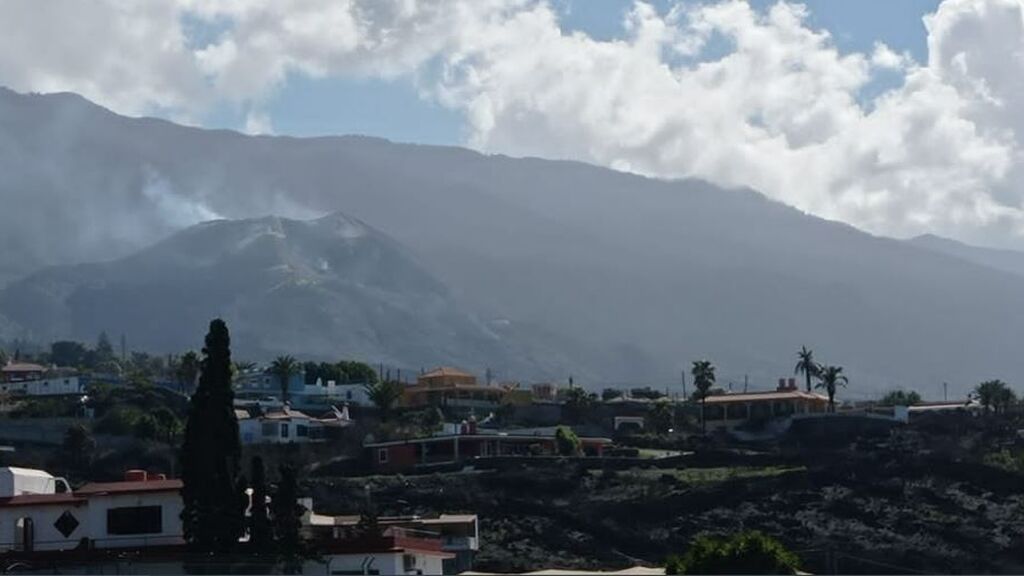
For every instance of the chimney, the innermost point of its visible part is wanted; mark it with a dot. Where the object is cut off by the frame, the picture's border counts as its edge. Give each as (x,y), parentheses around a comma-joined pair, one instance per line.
(792,383)
(135,475)
(782,384)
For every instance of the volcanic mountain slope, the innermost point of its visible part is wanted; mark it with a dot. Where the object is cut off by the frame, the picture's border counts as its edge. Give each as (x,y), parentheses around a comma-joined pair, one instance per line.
(651,273)
(331,288)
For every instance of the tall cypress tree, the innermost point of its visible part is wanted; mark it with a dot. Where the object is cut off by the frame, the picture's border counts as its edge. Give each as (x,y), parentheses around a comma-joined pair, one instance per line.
(287,522)
(260,534)
(213,516)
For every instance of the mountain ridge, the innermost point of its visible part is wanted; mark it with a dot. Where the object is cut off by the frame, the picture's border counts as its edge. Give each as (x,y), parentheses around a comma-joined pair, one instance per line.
(651,273)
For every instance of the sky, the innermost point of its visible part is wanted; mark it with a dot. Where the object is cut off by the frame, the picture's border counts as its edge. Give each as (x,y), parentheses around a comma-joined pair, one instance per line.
(899,117)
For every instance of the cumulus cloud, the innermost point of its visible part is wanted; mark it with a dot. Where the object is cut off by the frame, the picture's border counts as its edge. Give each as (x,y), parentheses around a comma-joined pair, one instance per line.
(779,110)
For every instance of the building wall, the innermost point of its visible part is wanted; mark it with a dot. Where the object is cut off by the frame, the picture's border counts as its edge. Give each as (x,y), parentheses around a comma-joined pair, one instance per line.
(171,530)
(381,562)
(399,457)
(45,534)
(44,387)
(251,431)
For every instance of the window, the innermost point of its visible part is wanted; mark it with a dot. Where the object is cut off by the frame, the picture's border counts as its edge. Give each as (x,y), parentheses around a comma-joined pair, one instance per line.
(284,430)
(408,563)
(382,455)
(135,520)
(301,431)
(269,429)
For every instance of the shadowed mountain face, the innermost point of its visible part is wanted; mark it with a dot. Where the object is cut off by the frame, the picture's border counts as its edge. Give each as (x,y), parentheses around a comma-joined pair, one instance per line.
(332,287)
(652,274)
(1011,261)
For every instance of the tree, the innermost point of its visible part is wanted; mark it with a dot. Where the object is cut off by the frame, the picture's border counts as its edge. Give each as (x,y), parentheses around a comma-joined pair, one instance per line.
(567,442)
(806,365)
(311,372)
(187,371)
(647,393)
(79,446)
(994,395)
(610,394)
(703,372)
(287,519)
(357,372)
(578,403)
(829,378)
(239,368)
(260,530)
(384,395)
(104,350)
(167,424)
(661,417)
(900,398)
(283,368)
(213,515)
(431,419)
(146,427)
(3,357)
(68,353)
(744,553)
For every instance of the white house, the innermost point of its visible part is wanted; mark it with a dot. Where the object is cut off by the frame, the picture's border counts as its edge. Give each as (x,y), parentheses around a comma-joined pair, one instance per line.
(35,517)
(287,426)
(94,529)
(35,380)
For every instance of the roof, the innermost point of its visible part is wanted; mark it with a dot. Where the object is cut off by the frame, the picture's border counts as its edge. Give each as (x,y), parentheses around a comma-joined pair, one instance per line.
(62,499)
(23,367)
(96,488)
(502,436)
(385,543)
(27,472)
(426,388)
(353,519)
(765,397)
(446,371)
(937,406)
(634,571)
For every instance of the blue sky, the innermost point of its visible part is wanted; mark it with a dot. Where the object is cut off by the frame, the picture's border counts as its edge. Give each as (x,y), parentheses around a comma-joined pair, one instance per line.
(393,109)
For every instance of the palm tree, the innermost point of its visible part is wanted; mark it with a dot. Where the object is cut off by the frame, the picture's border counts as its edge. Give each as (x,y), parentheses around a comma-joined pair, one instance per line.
(806,365)
(703,372)
(384,395)
(994,395)
(829,377)
(284,367)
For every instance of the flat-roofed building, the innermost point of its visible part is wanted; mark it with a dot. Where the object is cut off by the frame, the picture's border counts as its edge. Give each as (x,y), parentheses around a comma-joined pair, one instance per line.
(727,411)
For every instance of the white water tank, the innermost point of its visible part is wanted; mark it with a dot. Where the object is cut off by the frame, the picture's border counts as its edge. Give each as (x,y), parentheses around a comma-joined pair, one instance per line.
(18,481)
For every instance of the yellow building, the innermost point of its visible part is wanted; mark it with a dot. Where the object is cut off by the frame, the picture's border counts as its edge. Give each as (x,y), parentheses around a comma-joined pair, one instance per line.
(445,386)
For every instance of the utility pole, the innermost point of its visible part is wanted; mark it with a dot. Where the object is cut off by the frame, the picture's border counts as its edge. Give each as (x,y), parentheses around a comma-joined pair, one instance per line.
(945,391)
(683,375)
(745,383)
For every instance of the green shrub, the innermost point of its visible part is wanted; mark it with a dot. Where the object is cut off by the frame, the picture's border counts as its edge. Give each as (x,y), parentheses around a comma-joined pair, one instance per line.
(567,442)
(119,421)
(1005,459)
(744,553)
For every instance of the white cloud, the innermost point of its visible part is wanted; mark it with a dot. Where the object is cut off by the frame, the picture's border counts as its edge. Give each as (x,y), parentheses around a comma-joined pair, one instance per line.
(258,122)
(780,111)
